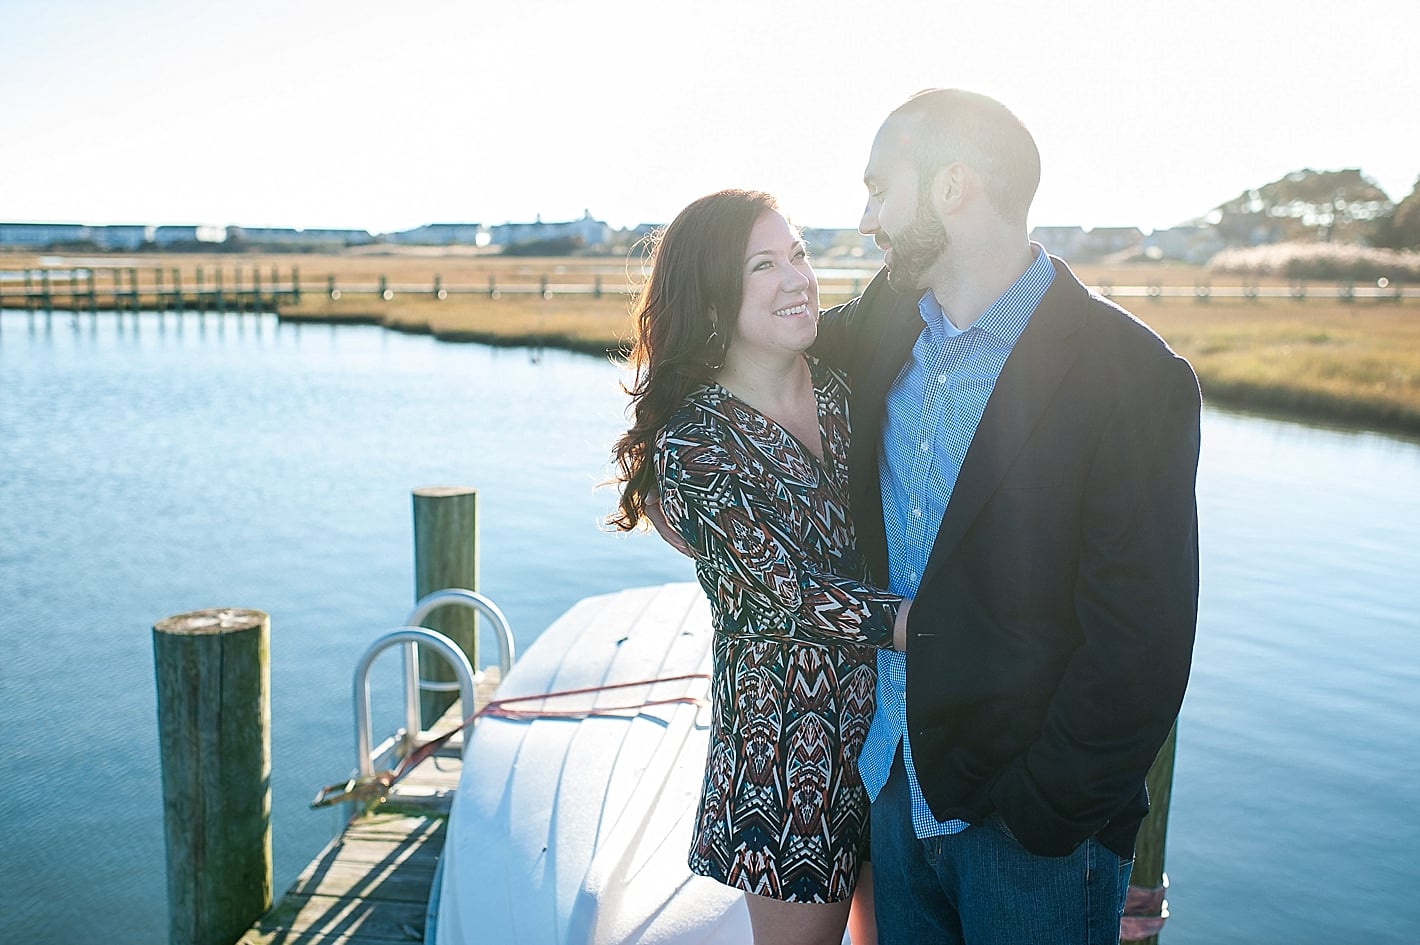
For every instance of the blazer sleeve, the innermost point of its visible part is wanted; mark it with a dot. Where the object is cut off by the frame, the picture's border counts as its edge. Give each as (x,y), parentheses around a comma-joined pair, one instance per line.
(834,344)
(1136,600)
(731,524)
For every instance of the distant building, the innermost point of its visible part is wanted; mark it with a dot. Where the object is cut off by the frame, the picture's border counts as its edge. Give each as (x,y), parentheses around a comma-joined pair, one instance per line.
(1191,243)
(443,234)
(40,235)
(121,237)
(1109,240)
(1075,244)
(167,236)
(293,238)
(1067,242)
(840,241)
(589,232)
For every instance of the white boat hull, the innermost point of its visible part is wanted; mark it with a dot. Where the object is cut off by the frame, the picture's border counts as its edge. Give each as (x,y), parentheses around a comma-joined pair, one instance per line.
(570,831)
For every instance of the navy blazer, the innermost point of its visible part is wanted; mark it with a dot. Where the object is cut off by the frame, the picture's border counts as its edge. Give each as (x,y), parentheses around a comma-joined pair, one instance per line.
(1050,640)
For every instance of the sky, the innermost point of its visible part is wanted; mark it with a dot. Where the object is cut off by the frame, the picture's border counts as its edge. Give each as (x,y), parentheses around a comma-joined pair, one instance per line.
(385,116)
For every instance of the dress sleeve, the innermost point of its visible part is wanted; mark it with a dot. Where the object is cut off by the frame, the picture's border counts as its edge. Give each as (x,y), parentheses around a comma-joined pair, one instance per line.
(728,517)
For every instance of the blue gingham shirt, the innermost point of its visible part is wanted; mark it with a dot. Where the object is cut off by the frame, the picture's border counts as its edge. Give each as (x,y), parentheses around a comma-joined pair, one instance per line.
(933,410)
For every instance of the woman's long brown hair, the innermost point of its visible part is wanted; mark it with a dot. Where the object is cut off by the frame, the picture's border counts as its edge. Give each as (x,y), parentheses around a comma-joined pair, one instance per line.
(694,289)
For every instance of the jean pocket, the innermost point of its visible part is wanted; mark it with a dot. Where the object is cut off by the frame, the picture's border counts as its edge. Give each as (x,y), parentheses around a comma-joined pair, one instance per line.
(999,823)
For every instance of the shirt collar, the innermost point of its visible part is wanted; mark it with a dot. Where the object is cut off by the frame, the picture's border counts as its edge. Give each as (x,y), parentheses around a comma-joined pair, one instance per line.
(1008,315)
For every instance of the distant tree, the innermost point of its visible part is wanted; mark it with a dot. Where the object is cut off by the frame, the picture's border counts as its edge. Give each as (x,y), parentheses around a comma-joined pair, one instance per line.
(1401,229)
(1342,206)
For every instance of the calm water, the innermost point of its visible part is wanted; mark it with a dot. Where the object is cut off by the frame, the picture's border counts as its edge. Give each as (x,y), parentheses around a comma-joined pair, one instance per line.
(158,464)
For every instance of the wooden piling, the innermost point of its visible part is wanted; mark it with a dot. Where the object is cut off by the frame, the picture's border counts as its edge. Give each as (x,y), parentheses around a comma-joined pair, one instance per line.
(445,555)
(214,733)
(1148,872)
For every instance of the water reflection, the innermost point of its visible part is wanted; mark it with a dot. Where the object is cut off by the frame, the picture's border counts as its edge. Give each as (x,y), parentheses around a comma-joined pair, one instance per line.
(157,462)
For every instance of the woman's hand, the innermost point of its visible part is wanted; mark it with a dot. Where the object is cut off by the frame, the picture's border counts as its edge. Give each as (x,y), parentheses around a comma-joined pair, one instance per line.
(899,627)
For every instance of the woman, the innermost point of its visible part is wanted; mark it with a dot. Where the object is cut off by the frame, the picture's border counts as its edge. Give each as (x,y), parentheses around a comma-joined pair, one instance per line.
(744,440)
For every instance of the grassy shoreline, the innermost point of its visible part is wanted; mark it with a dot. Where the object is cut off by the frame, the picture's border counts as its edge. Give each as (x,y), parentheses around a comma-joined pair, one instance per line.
(1353,363)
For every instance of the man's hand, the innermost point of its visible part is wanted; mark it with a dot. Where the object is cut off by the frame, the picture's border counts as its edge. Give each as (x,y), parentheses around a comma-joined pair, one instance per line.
(663,528)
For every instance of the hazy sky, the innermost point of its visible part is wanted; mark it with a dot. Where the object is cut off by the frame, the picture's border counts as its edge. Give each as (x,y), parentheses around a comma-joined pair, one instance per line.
(383,116)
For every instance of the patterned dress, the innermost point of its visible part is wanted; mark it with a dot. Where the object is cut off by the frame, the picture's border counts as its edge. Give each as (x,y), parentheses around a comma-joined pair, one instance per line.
(783,813)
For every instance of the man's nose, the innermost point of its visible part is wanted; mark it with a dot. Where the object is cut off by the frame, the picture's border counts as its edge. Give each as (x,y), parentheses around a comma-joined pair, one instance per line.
(868,225)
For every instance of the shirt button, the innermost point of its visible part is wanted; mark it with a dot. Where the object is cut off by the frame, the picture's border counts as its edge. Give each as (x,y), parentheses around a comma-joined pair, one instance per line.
(912,576)
(925,446)
(917,513)
(941,378)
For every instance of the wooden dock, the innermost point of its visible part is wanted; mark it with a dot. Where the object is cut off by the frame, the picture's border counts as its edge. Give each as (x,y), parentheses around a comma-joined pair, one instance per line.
(371,885)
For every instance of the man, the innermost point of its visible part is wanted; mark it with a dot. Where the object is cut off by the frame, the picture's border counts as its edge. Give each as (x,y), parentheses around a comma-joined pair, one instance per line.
(1023,464)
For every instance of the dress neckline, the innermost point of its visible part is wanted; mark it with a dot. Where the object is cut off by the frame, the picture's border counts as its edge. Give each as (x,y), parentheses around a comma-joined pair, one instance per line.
(819,460)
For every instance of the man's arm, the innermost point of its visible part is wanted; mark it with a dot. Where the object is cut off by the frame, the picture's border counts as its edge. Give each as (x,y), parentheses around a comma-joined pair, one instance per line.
(1137,604)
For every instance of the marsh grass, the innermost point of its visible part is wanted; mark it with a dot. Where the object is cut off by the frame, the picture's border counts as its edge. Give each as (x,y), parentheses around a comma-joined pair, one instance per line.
(1354,362)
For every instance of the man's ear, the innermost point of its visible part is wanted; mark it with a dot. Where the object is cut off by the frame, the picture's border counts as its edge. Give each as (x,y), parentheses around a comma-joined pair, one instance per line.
(950,188)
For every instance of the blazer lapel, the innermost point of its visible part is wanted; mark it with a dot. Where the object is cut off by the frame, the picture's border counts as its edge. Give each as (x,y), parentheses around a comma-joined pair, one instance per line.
(893,324)
(1029,380)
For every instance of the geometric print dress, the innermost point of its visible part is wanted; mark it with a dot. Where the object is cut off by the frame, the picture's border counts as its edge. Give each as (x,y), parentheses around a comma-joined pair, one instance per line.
(782,813)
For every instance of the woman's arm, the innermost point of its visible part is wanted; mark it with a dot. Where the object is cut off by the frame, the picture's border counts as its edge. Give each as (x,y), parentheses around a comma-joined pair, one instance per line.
(732,526)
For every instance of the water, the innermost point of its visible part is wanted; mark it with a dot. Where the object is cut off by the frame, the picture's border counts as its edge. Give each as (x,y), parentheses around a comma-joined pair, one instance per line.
(152,465)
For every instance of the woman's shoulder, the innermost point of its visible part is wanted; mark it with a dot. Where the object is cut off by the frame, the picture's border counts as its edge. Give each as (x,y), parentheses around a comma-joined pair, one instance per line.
(699,419)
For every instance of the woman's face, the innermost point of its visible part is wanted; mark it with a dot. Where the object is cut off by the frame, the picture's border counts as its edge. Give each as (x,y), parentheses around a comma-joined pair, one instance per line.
(779,304)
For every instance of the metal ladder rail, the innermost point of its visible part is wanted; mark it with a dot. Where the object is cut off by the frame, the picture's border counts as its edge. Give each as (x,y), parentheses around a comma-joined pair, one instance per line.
(410,637)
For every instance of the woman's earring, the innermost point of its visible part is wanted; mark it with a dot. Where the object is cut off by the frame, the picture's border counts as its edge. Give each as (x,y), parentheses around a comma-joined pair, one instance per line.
(717,349)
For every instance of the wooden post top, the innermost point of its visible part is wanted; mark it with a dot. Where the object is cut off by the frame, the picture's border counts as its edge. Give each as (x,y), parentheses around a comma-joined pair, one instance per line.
(213,620)
(439,492)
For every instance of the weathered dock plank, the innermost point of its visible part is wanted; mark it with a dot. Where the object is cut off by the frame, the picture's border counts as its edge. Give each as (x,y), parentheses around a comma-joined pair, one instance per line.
(371,884)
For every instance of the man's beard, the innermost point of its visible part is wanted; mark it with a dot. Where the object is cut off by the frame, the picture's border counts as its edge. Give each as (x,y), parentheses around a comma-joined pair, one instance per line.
(915,250)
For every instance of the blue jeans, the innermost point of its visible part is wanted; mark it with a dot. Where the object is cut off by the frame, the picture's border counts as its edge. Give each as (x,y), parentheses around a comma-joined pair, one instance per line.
(981,887)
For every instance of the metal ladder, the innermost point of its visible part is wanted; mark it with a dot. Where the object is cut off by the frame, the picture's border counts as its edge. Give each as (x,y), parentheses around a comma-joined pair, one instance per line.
(410,638)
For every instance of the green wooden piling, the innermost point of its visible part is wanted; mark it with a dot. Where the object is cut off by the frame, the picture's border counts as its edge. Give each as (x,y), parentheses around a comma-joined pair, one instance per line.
(214,734)
(445,555)
(1148,869)
(45,289)
(295,285)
